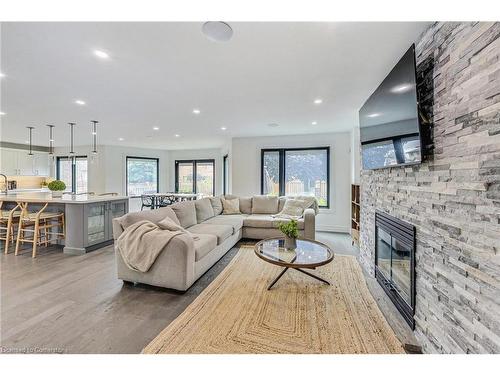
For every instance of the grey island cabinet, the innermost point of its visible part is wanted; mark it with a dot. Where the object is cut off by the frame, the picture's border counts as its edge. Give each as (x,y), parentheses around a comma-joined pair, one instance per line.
(88,219)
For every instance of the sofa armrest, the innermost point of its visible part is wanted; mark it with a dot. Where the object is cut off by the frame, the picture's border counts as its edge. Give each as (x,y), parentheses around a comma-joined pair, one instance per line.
(117,228)
(310,223)
(174,267)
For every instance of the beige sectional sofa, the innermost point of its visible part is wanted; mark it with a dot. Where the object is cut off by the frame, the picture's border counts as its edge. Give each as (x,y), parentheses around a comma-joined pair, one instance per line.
(184,259)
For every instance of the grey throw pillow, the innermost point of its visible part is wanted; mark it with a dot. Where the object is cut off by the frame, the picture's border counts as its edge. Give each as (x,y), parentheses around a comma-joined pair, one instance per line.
(216,205)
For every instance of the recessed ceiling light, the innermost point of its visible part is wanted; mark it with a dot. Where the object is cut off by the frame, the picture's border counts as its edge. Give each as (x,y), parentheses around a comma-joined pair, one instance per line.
(121,139)
(318,101)
(196,111)
(373,115)
(26,141)
(2,113)
(223,128)
(79,102)
(2,75)
(156,128)
(177,135)
(101,54)
(217,31)
(94,133)
(314,123)
(273,125)
(399,89)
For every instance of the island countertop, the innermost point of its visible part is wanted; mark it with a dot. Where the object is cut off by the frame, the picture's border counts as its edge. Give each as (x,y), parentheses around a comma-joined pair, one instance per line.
(65,199)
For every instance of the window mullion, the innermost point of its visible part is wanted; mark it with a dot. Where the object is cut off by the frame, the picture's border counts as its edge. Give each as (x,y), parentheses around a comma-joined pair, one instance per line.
(282,173)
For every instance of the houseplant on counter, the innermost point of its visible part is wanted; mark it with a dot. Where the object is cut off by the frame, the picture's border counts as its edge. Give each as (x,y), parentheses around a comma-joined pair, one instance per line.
(57,187)
(291,232)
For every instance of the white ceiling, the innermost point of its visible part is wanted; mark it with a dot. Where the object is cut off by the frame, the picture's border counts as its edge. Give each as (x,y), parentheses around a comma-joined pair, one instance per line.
(158,72)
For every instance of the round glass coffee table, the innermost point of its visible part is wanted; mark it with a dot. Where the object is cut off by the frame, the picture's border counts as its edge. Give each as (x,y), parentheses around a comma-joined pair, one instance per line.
(309,254)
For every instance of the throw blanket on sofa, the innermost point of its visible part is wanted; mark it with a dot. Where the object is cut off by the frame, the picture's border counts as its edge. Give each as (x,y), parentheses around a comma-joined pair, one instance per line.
(295,206)
(142,242)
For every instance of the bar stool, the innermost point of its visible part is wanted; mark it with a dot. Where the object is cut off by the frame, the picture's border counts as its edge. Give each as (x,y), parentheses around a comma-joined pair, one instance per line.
(40,224)
(9,219)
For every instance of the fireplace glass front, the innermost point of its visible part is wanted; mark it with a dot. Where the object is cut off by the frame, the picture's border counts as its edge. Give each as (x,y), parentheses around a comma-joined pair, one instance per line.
(394,262)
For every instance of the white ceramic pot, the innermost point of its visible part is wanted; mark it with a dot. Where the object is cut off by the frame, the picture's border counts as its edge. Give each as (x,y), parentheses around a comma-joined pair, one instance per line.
(290,243)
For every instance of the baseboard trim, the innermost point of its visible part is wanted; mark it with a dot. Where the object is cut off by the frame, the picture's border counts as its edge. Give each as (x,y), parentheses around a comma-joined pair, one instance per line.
(333,228)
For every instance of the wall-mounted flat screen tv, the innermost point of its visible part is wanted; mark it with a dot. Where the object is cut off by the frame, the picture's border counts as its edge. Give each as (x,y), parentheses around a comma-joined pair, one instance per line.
(389,121)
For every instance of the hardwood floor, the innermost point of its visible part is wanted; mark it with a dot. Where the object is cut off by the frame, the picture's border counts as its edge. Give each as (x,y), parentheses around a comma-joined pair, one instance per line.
(75,304)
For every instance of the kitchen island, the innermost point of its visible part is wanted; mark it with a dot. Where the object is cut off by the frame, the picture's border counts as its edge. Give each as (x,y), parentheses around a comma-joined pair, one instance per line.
(88,218)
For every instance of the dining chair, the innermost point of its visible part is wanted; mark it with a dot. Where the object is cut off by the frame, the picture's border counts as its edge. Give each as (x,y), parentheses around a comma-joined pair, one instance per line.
(147,201)
(9,220)
(40,224)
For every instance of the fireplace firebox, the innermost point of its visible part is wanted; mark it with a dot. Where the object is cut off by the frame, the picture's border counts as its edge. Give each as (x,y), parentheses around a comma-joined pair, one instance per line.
(395,262)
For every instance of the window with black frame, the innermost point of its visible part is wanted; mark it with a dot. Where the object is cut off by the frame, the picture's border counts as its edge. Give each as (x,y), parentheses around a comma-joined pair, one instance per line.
(195,177)
(142,176)
(73,171)
(297,171)
(225,179)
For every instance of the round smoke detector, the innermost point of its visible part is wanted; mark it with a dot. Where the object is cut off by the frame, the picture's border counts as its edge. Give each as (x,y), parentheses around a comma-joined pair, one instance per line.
(217,31)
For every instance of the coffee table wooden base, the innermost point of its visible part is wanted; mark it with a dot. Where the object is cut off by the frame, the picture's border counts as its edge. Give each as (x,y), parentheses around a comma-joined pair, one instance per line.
(300,270)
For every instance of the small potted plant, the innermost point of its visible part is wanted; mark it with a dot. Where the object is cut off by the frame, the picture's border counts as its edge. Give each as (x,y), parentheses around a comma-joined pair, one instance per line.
(57,187)
(291,232)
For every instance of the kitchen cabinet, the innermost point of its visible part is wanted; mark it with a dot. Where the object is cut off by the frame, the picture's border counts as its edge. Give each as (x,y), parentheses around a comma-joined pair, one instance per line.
(88,219)
(18,163)
(99,220)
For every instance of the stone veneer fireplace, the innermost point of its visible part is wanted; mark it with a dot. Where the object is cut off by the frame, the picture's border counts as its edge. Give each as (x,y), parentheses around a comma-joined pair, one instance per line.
(395,262)
(453,198)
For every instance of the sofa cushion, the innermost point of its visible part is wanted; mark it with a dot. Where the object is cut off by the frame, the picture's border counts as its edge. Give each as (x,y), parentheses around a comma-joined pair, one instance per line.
(155,216)
(221,231)
(267,221)
(246,205)
(216,205)
(231,206)
(185,212)
(264,204)
(204,209)
(204,245)
(236,221)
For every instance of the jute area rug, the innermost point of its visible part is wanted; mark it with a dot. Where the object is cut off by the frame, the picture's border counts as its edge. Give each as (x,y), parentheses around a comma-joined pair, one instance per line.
(237,314)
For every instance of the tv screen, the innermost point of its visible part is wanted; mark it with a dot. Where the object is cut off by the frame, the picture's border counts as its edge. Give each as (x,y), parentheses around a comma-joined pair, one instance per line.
(389,123)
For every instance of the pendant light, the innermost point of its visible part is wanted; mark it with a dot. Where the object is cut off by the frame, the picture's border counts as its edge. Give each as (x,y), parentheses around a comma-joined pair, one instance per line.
(94,136)
(51,139)
(30,132)
(71,150)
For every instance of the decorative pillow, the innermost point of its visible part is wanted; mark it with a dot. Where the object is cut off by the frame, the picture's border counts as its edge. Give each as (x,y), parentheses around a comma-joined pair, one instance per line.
(185,212)
(169,224)
(231,206)
(264,204)
(204,210)
(294,207)
(216,205)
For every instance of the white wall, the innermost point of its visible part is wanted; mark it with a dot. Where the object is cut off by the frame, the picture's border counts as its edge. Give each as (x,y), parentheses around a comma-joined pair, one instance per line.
(245,168)
(212,153)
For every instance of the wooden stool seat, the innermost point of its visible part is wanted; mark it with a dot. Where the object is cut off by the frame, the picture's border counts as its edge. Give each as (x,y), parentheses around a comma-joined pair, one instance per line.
(9,220)
(40,224)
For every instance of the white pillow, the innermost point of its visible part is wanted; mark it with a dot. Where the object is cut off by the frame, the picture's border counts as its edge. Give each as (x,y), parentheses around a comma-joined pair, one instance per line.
(294,207)
(231,206)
